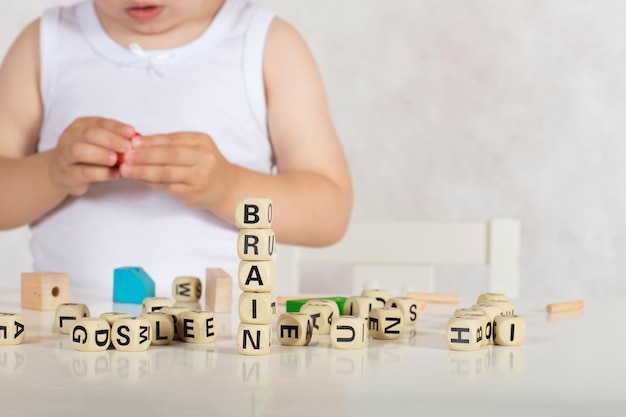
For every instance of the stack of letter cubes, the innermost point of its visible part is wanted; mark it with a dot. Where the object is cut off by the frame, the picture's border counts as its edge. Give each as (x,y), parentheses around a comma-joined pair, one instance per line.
(257,303)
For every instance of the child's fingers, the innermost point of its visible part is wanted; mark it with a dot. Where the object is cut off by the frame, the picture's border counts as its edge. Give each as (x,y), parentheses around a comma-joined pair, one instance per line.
(156,174)
(181,139)
(163,155)
(107,139)
(87,153)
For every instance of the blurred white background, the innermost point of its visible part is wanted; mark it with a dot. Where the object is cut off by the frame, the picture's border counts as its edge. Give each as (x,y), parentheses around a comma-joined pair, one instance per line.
(466,110)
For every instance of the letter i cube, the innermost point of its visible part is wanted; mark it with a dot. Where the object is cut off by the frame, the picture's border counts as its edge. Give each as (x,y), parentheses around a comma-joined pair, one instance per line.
(509,330)
(255,247)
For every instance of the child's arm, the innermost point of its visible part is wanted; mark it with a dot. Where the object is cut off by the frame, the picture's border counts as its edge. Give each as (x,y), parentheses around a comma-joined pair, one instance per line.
(312,193)
(32,184)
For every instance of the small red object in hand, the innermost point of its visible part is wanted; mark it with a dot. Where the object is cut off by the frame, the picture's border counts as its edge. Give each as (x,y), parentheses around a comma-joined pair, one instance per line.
(120,160)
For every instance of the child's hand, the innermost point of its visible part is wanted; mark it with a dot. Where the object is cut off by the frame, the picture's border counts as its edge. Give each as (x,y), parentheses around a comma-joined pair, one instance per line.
(87,153)
(186,165)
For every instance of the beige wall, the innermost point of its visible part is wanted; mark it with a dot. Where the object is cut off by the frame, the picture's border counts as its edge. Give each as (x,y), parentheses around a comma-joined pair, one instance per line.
(464,110)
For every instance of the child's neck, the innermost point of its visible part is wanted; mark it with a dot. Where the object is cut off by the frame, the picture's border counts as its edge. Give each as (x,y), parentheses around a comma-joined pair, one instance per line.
(159,35)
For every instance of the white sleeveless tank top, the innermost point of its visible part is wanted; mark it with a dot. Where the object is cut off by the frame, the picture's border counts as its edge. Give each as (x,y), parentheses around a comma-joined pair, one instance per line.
(213,85)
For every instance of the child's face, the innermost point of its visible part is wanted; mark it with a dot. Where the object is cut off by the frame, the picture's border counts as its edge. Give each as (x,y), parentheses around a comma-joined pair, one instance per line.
(155,16)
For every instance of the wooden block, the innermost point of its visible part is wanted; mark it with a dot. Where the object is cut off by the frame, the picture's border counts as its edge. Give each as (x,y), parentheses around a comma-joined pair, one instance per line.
(219,290)
(294,329)
(66,315)
(253,213)
(348,333)
(565,306)
(150,304)
(90,334)
(255,244)
(431,297)
(131,334)
(386,323)
(488,296)
(359,306)
(256,276)
(381,296)
(464,333)
(257,307)
(131,284)
(254,339)
(44,291)
(467,310)
(321,316)
(509,330)
(175,312)
(12,329)
(187,289)
(409,307)
(198,326)
(162,327)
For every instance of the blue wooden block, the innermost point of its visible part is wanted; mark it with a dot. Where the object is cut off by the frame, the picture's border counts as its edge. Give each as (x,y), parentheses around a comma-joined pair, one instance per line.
(131,284)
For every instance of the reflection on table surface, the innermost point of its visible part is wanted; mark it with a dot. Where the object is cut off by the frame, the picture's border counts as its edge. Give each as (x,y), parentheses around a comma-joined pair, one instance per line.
(571,362)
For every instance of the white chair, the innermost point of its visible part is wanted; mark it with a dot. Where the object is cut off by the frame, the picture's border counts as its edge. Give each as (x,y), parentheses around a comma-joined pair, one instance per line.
(410,251)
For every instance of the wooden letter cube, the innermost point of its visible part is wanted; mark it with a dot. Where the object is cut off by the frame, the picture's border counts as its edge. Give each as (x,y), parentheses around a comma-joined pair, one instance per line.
(386,323)
(45,290)
(359,306)
(505,305)
(464,333)
(330,303)
(198,326)
(155,304)
(111,316)
(348,333)
(294,329)
(509,330)
(257,307)
(409,307)
(131,334)
(256,276)
(12,329)
(254,339)
(321,316)
(90,334)
(488,296)
(253,213)
(486,325)
(66,315)
(381,296)
(187,289)
(175,312)
(491,311)
(255,244)
(219,290)
(162,327)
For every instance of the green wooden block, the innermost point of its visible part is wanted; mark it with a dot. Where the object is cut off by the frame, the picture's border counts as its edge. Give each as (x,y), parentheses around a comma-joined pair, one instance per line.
(294,306)
(131,284)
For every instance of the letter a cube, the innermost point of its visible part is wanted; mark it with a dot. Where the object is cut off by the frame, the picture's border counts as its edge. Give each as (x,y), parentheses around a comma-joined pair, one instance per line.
(12,329)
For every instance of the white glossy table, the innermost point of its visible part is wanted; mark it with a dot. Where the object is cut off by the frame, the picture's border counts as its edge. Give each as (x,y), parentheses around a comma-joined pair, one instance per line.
(570,364)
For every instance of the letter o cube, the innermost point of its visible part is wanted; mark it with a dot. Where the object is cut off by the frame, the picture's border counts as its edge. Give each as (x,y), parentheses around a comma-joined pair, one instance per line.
(294,329)
(386,323)
(66,314)
(12,329)
(131,334)
(509,330)
(90,334)
(187,289)
(348,333)
(198,326)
